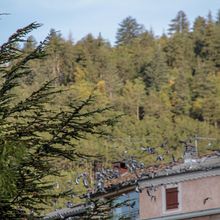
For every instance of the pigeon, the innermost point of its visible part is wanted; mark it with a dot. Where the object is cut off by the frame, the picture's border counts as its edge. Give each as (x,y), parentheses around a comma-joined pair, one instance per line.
(69,204)
(159,158)
(84,177)
(132,204)
(149,150)
(61,216)
(138,189)
(77,180)
(164,144)
(150,193)
(206,199)
(85,182)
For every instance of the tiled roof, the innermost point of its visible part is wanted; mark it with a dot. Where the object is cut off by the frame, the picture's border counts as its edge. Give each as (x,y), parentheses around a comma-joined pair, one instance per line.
(208,165)
(67,212)
(207,162)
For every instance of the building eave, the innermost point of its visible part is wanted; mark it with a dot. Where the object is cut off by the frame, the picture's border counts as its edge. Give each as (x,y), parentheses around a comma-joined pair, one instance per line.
(172,179)
(66,212)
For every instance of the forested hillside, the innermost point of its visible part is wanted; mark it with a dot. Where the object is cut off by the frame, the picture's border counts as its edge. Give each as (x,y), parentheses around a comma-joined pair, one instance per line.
(166,88)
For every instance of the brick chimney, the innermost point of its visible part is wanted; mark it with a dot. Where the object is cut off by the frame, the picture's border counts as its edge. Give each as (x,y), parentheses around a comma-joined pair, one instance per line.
(121,166)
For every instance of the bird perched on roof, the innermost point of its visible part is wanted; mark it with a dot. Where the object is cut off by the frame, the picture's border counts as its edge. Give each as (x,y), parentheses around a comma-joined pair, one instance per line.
(112,174)
(69,204)
(151,174)
(86,195)
(61,216)
(137,188)
(100,187)
(133,165)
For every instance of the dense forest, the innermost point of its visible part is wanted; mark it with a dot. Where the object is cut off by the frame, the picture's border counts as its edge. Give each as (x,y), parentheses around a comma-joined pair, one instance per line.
(165,88)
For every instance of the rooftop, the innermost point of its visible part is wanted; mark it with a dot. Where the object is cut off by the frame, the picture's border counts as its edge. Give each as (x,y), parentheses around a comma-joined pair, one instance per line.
(208,165)
(205,163)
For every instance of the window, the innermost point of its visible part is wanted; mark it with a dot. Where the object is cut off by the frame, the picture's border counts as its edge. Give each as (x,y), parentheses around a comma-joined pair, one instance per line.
(128,212)
(172,198)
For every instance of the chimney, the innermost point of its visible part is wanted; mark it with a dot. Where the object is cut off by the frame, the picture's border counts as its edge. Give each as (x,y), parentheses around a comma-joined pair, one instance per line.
(120,166)
(190,153)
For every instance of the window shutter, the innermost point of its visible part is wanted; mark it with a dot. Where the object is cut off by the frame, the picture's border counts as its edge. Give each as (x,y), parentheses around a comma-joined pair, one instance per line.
(172,198)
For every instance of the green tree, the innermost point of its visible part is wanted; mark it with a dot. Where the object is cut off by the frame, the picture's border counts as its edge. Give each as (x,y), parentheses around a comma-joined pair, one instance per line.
(155,72)
(179,24)
(133,96)
(199,27)
(179,52)
(30,44)
(94,55)
(129,30)
(59,63)
(35,132)
(180,96)
(28,47)
(218,17)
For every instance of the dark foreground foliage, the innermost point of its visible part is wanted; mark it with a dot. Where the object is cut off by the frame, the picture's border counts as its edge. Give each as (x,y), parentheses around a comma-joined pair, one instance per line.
(35,132)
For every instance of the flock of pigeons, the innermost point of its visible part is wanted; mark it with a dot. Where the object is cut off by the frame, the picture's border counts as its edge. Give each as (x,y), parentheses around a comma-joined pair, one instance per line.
(103,175)
(132,165)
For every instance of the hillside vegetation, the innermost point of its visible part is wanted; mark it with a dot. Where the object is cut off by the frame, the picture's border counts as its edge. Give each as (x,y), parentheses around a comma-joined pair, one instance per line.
(166,89)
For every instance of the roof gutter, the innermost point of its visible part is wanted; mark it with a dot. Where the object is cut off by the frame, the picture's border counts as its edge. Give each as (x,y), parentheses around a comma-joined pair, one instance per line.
(188,215)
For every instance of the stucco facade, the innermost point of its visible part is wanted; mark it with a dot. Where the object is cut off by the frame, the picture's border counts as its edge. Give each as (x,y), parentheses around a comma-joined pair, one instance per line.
(193,195)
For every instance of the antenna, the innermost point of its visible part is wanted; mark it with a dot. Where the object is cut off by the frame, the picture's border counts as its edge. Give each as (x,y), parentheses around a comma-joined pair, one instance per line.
(197,138)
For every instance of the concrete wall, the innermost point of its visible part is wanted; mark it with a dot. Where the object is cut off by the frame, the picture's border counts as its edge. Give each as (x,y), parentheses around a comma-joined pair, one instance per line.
(191,198)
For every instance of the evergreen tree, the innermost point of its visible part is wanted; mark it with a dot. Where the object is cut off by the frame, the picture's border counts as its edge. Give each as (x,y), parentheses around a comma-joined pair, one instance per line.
(179,24)
(30,44)
(35,132)
(218,17)
(209,48)
(133,97)
(155,72)
(129,30)
(199,27)
(209,18)
(93,54)
(216,48)
(179,52)
(59,63)
(122,56)
(28,47)
(180,96)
